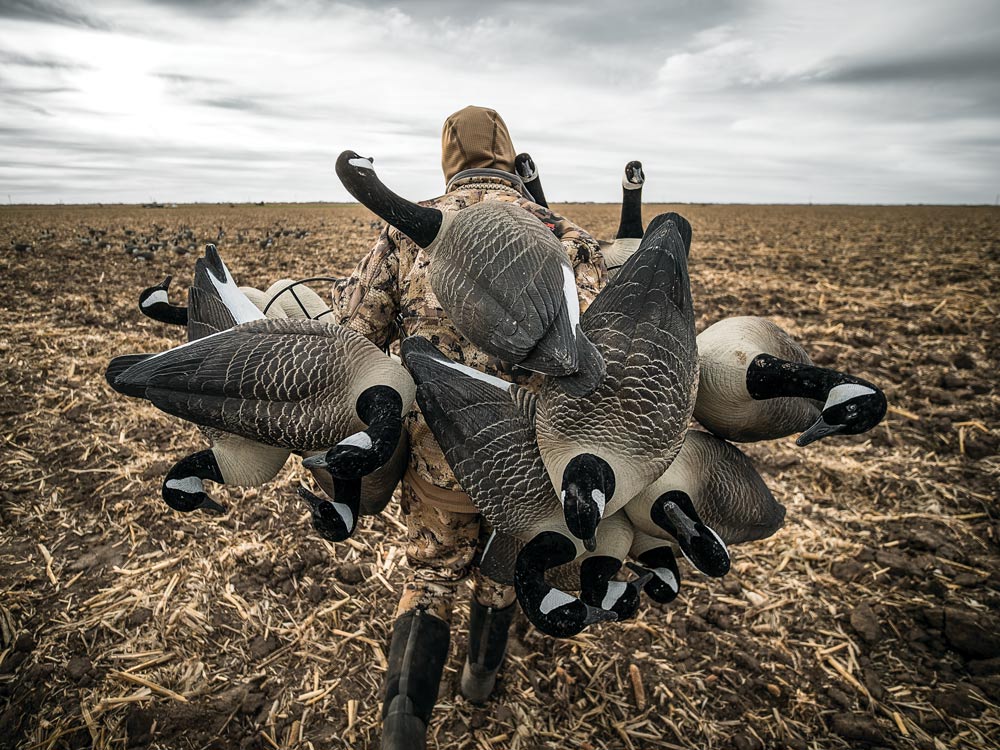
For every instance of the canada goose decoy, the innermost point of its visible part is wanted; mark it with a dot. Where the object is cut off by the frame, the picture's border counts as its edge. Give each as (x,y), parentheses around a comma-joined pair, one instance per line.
(602,449)
(499,272)
(630,229)
(525,167)
(711,496)
(214,304)
(757,383)
(485,427)
(297,385)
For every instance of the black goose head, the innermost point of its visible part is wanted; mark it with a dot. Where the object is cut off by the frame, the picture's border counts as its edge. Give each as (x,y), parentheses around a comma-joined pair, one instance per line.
(525,167)
(665,584)
(335,521)
(419,223)
(154,302)
(154,295)
(850,409)
(363,452)
(633,178)
(598,590)
(674,512)
(549,609)
(588,485)
(184,488)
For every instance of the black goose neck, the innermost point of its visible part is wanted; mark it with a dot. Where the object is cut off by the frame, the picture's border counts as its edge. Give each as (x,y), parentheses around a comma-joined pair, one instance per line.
(630,225)
(169,314)
(348,492)
(772,377)
(420,223)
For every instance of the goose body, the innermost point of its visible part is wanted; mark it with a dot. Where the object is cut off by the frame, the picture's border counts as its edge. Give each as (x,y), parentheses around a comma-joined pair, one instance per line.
(709,497)
(214,305)
(263,388)
(485,427)
(601,449)
(757,383)
(497,270)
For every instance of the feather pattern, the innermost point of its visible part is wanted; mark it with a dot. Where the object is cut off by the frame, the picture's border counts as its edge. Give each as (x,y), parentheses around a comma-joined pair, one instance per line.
(642,324)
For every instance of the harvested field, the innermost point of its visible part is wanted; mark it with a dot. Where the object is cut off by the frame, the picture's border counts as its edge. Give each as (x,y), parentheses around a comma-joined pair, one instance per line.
(870,619)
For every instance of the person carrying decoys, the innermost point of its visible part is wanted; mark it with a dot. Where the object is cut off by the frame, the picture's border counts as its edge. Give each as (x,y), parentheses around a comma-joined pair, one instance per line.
(389,297)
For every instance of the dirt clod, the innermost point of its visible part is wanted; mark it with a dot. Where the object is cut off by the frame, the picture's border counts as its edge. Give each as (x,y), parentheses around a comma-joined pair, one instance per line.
(865,622)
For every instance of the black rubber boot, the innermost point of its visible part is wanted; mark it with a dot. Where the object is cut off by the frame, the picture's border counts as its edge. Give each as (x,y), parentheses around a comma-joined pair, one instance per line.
(488,629)
(417,655)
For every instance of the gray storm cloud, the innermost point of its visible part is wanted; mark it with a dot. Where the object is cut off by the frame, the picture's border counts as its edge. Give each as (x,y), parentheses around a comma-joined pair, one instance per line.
(177,100)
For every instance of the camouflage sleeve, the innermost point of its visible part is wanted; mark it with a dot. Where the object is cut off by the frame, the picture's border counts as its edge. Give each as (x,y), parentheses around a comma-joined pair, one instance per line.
(583,251)
(368,300)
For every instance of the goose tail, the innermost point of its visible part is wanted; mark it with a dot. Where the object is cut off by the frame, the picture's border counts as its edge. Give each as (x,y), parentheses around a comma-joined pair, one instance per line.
(117,367)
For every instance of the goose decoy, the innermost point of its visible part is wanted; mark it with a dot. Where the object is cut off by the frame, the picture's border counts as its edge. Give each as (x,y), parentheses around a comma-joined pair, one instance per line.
(485,427)
(630,229)
(757,383)
(711,496)
(525,167)
(289,385)
(214,304)
(602,449)
(497,270)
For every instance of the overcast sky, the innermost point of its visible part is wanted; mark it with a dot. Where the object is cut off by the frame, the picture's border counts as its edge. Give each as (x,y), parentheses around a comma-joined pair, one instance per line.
(741,101)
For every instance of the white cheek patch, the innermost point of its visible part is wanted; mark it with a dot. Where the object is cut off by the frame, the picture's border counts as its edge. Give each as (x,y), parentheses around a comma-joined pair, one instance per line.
(495,382)
(598,497)
(616,589)
(345,514)
(554,599)
(160,295)
(360,439)
(572,298)
(631,185)
(845,392)
(361,163)
(667,576)
(191,485)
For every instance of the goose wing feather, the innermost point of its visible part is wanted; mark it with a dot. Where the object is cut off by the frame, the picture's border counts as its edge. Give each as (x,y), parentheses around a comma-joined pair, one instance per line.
(290,383)
(642,324)
(499,274)
(487,435)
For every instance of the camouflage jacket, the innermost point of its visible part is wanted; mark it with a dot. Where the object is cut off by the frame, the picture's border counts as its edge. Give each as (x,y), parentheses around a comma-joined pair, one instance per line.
(389,297)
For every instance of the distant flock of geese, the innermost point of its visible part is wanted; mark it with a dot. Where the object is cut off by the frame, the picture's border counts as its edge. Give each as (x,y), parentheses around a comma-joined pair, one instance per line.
(598,470)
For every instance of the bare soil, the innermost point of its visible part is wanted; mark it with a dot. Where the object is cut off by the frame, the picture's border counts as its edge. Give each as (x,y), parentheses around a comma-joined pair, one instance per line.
(871,619)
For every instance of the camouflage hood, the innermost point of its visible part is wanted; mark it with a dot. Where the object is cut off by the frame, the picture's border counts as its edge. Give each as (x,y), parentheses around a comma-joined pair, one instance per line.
(475,138)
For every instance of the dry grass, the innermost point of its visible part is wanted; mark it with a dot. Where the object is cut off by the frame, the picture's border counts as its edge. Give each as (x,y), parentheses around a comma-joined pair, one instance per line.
(866,620)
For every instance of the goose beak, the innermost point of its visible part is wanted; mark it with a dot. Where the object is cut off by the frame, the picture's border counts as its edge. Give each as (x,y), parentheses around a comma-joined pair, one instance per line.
(316,462)
(308,496)
(645,574)
(590,544)
(817,430)
(596,614)
(210,505)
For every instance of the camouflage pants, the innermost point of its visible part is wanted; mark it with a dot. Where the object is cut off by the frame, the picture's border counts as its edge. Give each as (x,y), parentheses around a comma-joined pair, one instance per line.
(440,547)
